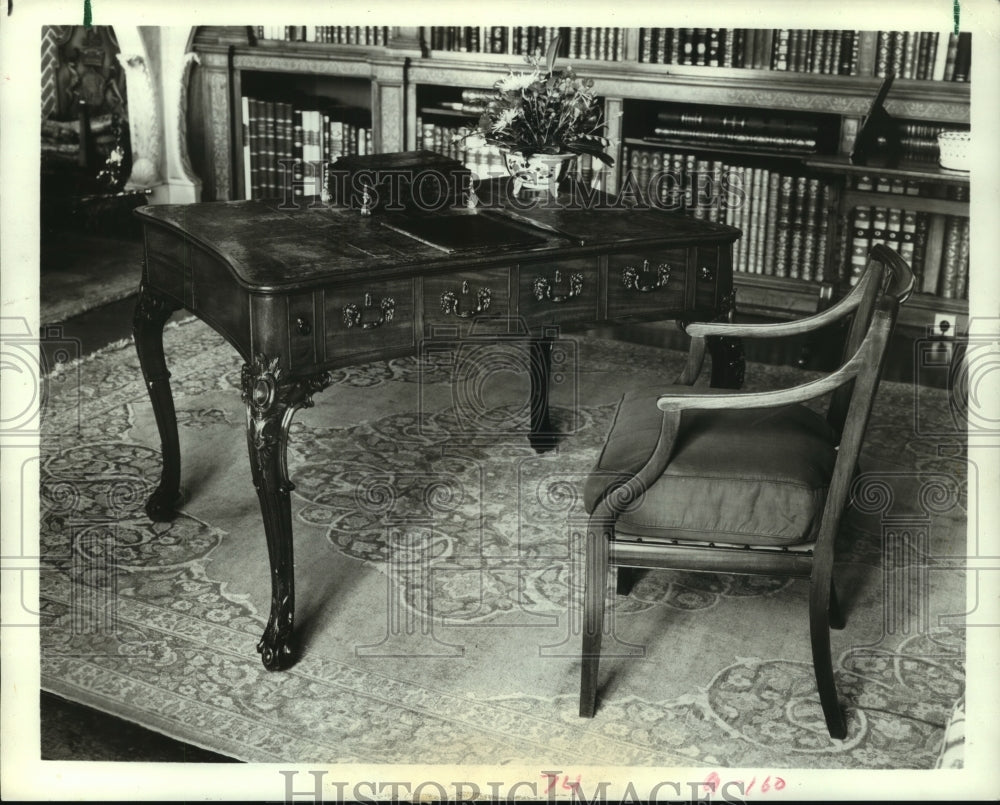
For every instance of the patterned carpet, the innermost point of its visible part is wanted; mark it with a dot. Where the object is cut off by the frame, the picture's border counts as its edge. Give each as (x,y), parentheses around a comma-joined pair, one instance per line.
(438,572)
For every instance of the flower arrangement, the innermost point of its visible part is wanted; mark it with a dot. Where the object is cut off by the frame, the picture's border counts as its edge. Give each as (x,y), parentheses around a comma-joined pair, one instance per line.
(545,111)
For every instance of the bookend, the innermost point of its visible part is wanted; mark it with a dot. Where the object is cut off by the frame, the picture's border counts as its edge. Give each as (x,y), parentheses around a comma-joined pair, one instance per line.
(877,144)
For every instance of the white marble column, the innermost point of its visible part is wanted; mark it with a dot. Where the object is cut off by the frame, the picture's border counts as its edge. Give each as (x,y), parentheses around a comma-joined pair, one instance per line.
(157,65)
(182,186)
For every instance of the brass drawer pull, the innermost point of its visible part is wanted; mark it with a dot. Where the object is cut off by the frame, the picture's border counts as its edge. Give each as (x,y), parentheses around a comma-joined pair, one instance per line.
(632,277)
(370,316)
(449,302)
(558,290)
(707,273)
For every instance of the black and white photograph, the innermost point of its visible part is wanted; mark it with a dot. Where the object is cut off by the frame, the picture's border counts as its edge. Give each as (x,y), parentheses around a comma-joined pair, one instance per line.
(440,402)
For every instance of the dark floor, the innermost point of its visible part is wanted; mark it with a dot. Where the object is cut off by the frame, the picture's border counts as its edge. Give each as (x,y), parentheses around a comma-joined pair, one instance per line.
(71,731)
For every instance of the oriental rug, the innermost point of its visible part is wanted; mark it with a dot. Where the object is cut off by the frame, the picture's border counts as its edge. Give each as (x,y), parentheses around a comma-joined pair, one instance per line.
(439,572)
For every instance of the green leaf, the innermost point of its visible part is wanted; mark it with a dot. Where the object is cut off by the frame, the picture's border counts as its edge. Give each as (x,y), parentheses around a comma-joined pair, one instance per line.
(550,54)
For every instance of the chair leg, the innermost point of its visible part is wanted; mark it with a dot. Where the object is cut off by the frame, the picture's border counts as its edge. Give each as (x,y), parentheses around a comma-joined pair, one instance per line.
(837,618)
(627,577)
(595,591)
(819,629)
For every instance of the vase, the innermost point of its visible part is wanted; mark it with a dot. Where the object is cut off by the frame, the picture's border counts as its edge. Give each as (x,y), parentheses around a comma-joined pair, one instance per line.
(537,172)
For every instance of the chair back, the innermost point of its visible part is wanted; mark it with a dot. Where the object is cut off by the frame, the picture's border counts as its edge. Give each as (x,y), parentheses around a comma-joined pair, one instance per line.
(869,360)
(886,274)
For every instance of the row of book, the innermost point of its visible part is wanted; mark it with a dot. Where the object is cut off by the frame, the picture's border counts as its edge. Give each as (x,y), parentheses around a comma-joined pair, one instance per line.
(919,141)
(483,160)
(727,127)
(833,52)
(373,35)
(303,133)
(922,55)
(898,185)
(600,44)
(783,215)
(925,55)
(936,246)
(472,102)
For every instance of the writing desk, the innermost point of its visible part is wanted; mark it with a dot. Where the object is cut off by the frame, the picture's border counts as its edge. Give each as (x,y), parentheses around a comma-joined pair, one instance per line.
(301,291)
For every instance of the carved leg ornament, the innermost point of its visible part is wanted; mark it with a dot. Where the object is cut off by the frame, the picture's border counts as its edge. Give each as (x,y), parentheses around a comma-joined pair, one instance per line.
(151,314)
(271,401)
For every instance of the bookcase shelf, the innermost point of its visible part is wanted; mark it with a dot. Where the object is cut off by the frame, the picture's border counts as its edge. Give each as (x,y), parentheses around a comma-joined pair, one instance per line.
(402,82)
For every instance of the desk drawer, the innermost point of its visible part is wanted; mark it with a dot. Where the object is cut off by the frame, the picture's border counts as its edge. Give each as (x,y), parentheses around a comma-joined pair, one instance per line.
(559,291)
(368,317)
(642,283)
(454,299)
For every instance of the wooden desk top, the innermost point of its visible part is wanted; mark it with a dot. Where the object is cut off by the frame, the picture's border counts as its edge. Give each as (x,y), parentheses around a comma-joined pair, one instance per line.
(271,249)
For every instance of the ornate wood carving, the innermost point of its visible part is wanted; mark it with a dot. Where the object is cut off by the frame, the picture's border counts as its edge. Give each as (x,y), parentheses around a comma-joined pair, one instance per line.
(271,400)
(318,63)
(217,86)
(88,71)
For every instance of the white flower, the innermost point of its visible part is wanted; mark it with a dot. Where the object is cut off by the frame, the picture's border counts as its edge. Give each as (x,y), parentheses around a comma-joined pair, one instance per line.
(517,81)
(507,116)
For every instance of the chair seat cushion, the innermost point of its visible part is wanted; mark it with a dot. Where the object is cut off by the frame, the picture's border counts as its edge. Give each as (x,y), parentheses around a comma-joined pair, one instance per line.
(750,477)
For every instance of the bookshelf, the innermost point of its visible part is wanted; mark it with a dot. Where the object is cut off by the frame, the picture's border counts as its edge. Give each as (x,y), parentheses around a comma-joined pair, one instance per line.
(803,94)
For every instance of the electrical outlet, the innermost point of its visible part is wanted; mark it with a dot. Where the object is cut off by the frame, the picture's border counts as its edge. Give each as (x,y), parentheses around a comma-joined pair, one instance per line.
(944,325)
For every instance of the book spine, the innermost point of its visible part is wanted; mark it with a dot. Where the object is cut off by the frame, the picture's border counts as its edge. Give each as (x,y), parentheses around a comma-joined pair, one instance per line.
(883,54)
(861,241)
(795,257)
(771,222)
(963,57)
(823,214)
(933,253)
(880,220)
(270,178)
(962,277)
(894,228)
(783,226)
(907,237)
(247,150)
(809,230)
(256,148)
(950,55)
(742,218)
(780,53)
(298,151)
(950,257)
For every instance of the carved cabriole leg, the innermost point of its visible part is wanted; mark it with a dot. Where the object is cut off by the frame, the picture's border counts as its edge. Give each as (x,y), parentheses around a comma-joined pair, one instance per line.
(271,401)
(151,314)
(542,437)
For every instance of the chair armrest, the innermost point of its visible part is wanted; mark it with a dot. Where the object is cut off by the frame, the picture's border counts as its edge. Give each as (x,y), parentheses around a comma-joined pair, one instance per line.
(779,329)
(768,399)
(868,351)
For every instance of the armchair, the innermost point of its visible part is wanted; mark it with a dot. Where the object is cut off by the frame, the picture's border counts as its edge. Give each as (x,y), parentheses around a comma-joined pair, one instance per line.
(734,482)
